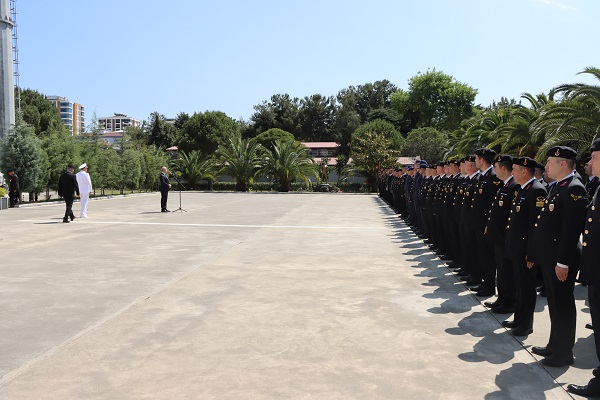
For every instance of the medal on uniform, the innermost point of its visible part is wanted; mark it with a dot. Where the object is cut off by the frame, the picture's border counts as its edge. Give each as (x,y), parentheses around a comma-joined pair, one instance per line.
(500,203)
(518,208)
(551,207)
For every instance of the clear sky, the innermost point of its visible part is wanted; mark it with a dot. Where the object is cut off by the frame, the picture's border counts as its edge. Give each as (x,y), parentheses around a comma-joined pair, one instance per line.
(139,56)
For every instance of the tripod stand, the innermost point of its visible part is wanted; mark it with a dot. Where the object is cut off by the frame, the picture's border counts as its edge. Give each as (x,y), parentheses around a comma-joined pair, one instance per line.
(180,187)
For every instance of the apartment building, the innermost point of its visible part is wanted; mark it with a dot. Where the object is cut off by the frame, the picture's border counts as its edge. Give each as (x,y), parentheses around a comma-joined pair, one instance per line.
(117,123)
(72,114)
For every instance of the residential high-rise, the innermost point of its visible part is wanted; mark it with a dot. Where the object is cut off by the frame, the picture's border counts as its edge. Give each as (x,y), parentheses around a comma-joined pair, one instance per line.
(72,114)
(7,94)
(117,123)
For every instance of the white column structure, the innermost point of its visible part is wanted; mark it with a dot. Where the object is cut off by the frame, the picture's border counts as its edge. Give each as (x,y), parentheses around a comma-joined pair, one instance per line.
(7,89)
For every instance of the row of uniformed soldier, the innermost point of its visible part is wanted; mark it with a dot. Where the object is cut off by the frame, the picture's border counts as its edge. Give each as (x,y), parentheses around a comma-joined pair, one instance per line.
(497,223)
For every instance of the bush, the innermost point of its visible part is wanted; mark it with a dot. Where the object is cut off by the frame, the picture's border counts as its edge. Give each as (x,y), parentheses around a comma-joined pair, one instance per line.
(348,187)
(3,192)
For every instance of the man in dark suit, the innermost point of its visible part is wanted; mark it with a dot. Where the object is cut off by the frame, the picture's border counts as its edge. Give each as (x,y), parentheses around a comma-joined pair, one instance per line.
(14,190)
(496,234)
(554,248)
(164,189)
(67,187)
(590,274)
(523,215)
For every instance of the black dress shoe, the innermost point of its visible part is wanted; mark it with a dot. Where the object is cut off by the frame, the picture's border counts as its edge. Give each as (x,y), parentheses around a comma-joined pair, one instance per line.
(502,310)
(72,218)
(444,257)
(584,391)
(541,351)
(465,278)
(492,304)
(66,221)
(518,331)
(473,282)
(589,326)
(543,294)
(477,288)
(510,324)
(485,293)
(558,362)
(463,273)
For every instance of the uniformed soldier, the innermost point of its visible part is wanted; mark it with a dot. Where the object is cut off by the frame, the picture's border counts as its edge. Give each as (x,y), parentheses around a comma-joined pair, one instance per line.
(523,215)
(485,191)
(593,180)
(450,220)
(496,233)
(554,248)
(14,189)
(471,258)
(590,274)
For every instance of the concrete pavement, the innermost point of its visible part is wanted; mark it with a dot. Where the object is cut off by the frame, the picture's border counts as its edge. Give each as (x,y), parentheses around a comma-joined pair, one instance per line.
(253,296)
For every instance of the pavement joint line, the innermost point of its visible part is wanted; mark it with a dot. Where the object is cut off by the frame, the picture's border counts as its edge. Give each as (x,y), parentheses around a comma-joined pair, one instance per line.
(214,225)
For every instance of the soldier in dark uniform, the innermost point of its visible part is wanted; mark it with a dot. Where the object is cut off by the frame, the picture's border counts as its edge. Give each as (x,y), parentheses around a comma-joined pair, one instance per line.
(401,193)
(416,189)
(471,258)
(408,193)
(67,187)
(523,215)
(593,180)
(14,189)
(450,222)
(459,259)
(485,191)
(496,233)
(554,248)
(590,273)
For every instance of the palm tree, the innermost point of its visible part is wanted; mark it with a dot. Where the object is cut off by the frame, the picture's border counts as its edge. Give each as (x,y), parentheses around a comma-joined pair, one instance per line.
(288,162)
(574,121)
(241,160)
(193,167)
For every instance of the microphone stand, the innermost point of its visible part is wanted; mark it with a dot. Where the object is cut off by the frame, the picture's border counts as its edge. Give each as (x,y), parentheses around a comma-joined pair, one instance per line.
(180,186)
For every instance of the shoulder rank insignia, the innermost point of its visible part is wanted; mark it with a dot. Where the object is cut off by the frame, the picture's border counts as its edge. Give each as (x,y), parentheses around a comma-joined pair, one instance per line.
(576,197)
(496,183)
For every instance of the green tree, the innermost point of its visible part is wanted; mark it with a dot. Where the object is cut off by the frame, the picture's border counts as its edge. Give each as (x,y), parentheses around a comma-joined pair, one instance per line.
(368,97)
(428,143)
(268,138)
(346,122)
(371,150)
(385,128)
(131,170)
(23,151)
(194,167)
(107,170)
(316,118)
(435,99)
(280,112)
(574,121)
(38,112)
(206,131)
(287,163)
(242,160)
(154,160)
(60,149)
(161,133)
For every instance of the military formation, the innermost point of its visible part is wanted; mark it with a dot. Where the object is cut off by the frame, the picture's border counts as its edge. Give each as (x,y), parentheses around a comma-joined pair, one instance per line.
(511,227)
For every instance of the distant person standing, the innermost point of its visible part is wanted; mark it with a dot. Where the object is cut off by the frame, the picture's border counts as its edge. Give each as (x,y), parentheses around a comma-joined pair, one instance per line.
(85,188)
(14,190)
(164,189)
(67,187)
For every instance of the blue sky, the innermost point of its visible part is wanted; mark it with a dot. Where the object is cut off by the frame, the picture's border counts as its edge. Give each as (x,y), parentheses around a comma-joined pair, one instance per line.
(140,56)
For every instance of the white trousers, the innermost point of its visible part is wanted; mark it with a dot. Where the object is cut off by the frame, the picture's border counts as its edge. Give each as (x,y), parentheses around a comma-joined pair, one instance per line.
(84,200)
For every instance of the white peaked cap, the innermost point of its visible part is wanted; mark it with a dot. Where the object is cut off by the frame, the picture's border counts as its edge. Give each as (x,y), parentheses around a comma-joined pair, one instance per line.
(82,166)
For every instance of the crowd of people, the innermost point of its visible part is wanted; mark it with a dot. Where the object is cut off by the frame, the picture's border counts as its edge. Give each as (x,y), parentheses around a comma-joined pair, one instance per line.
(511,226)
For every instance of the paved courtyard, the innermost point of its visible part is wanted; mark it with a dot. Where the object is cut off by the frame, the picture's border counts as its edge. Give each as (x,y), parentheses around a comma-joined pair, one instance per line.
(251,296)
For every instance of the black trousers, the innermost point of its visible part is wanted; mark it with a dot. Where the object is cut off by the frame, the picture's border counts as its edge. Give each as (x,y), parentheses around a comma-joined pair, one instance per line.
(506,277)
(13,199)
(163,199)
(525,293)
(68,208)
(563,314)
(487,262)
(470,256)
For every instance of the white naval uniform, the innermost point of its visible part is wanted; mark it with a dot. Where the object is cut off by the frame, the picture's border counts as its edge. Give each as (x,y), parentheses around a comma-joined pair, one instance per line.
(85,188)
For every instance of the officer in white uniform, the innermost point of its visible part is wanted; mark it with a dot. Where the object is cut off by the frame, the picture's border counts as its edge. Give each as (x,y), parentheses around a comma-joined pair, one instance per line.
(85,188)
